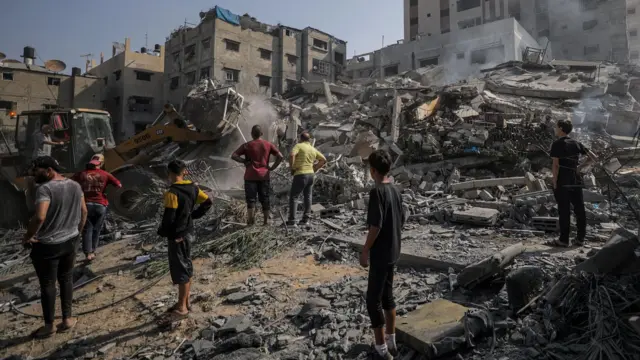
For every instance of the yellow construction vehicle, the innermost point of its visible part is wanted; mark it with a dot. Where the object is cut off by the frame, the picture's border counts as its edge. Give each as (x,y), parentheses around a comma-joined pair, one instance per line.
(138,162)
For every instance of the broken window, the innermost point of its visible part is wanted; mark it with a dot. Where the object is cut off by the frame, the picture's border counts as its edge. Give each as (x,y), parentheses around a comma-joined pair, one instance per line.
(190,77)
(460,56)
(265,54)
(289,33)
(633,33)
(631,11)
(231,75)
(54,81)
(338,57)
(232,45)
(143,75)
(7,76)
(264,81)
(140,104)
(429,61)
(292,59)
(190,52)
(175,83)
(321,67)
(391,70)
(588,25)
(429,15)
(117,74)
(413,21)
(484,56)
(319,44)
(205,72)
(467,4)
(594,49)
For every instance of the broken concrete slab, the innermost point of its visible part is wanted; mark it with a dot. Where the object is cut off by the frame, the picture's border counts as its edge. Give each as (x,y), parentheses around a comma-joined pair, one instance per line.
(476,216)
(487,268)
(485,183)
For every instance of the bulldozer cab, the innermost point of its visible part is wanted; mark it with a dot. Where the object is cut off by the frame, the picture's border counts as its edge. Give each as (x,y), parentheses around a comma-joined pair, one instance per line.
(84,131)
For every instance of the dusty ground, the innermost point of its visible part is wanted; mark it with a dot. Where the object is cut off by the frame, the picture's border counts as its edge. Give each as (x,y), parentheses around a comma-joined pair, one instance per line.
(131,323)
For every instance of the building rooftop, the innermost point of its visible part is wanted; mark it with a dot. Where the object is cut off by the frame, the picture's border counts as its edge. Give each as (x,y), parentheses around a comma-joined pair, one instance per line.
(25,67)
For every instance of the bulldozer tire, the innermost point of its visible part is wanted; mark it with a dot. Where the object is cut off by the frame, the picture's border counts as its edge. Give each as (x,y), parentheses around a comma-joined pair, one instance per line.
(140,197)
(13,212)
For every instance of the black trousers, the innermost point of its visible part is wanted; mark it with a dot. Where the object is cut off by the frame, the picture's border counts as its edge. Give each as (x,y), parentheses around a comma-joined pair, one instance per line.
(302,184)
(380,293)
(260,190)
(565,197)
(180,265)
(53,262)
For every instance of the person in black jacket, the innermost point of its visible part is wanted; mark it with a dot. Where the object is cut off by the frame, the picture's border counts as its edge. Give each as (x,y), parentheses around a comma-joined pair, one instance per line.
(177,225)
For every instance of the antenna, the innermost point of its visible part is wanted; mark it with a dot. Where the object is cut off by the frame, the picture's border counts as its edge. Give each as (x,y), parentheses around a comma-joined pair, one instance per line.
(146,39)
(87,59)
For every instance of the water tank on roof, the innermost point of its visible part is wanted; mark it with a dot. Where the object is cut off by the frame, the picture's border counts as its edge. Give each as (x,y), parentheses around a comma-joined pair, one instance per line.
(76,71)
(29,52)
(156,48)
(143,50)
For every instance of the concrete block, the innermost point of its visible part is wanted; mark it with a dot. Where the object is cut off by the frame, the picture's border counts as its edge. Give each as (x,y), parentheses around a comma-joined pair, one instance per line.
(471,194)
(316,208)
(476,216)
(589,181)
(356,160)
(486,196)
(546,223)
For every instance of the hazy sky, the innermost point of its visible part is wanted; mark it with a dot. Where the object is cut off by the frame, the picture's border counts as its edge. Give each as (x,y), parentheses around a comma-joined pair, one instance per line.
(66,29)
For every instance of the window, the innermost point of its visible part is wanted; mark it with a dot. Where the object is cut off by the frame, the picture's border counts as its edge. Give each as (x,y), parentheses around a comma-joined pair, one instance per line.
(265,54)
(231,75)
(413,3)
(140,104)
(594,49)
(633,33)
(429,61)
(176,57)
(292,59)
(319,44)
(175,83)
(232,45)
(190,52)
(105,80)
(460,56)
(631,11)
(321,67)
(205,72)
(635,55)
(444,31)
(143,75)
(391,70)
(444,13)
(190,77)
(117,74)
(464,24)
(7,76)
(289,33)
(54,81)
(264,81)
(588,25)
(338,57)
(467,4)
(413,21)
(206,44)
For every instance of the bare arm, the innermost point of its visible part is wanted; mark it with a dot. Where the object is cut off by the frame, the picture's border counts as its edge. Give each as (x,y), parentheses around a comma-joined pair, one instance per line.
(372,235)
(36,221)
(279,159)
(238,159)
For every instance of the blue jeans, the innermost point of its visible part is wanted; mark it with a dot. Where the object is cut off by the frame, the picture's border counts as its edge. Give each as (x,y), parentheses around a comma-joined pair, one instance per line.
(96,213)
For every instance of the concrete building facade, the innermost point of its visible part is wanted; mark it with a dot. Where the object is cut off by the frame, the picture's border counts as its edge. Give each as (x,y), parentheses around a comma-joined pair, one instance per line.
(254,57)
(461,52)
(577,29)
(633,27)
(133,82)
(27,86)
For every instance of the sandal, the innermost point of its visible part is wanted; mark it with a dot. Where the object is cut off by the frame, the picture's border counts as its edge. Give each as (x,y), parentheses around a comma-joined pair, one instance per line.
(42,333)
(62,328)
(172,317)
(173,308)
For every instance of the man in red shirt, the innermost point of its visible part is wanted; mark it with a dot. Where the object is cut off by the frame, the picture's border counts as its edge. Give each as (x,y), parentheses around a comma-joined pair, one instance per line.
(94,181)
(256,176)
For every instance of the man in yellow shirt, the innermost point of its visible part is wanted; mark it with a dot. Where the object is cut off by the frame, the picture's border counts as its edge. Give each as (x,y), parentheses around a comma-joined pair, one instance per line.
(303,163)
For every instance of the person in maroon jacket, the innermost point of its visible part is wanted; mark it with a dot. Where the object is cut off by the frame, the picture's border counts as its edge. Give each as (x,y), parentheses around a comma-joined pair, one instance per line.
(256,176)
(94,181)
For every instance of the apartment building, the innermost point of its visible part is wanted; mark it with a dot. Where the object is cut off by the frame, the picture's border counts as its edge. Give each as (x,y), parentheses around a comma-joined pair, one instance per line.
(28,86)
(576,29)
(133,82)
(256,58)
(633,27)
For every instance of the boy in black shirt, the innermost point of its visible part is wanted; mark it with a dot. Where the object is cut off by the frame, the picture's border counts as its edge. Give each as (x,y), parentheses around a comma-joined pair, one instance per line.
(567,181)
(177,225)
(385,218)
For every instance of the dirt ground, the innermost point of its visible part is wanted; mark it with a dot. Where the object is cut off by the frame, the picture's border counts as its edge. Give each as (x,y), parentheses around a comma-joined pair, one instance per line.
(132,323)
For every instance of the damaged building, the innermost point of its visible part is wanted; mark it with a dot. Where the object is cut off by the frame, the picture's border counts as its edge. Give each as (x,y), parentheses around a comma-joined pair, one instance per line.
(134,87)
(255,57)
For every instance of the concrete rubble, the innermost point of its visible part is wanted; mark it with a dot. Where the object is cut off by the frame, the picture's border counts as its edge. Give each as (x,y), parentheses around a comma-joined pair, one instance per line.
(475,279)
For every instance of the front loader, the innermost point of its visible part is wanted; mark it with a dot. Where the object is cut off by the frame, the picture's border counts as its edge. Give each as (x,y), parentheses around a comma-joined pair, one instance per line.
(139,162)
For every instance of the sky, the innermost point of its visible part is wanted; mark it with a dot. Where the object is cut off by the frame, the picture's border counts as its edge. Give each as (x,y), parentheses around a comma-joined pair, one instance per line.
(65,30)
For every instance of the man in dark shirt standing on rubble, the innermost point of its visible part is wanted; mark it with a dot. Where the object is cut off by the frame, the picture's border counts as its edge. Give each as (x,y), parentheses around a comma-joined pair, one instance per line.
(567,181)
(256,176)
